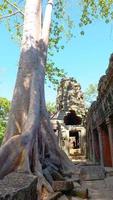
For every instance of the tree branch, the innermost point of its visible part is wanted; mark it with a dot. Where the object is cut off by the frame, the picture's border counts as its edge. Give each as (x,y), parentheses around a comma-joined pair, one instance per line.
(13,5)
(10,15)
(47,22)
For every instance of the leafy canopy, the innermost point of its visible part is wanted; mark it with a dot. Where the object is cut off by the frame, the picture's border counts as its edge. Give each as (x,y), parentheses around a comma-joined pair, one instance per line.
(12,13)
(96,9)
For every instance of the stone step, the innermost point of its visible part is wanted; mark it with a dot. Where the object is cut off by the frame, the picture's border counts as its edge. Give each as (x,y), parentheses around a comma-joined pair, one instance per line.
(62,186)
(109,171)
(92,172)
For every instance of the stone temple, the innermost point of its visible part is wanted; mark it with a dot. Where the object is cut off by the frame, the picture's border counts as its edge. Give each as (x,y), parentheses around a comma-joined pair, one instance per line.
(69,121)
(100,122)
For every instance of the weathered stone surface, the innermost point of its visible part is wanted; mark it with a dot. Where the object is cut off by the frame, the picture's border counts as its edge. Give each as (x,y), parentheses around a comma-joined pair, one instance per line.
(18,186)
(62,185)
(70,117)
(109,171)
(92,172)
(109,183)
(95,184)
(100,121)
(54,196)
(70,96)
(100,189)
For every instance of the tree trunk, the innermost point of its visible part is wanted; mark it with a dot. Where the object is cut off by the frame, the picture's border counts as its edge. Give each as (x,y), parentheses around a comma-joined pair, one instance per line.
(30,144)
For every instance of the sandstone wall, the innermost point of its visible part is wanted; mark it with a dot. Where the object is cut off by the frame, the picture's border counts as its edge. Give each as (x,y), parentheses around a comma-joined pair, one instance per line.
(100,121)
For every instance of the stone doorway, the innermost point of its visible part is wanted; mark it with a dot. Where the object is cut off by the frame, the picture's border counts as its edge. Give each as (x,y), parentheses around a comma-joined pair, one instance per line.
(74,135)
(74,140)
(106,146)
(96,146)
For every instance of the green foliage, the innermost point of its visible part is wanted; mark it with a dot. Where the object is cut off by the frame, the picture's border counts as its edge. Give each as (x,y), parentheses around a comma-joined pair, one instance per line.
(51,107)
(4,110)
(95,9)
(11,12)
(90,94)
(53,73)
(61,30)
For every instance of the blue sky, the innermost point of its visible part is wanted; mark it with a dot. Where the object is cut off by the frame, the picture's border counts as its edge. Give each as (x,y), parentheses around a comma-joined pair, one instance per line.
(85,58)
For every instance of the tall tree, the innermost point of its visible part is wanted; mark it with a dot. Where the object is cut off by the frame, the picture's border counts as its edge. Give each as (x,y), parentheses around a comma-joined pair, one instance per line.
(29,144)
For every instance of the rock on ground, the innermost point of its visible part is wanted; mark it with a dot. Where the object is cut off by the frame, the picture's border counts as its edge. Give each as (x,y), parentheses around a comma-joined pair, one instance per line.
(18,186)
(62,185)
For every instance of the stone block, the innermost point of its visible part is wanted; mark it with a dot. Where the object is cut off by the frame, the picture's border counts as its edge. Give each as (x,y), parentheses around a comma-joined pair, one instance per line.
(62,185)
(18,186)
(92,172)
(109,171)
(95,184)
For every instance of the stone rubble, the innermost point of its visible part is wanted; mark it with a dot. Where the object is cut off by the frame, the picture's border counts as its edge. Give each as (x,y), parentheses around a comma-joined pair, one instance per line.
(18,186)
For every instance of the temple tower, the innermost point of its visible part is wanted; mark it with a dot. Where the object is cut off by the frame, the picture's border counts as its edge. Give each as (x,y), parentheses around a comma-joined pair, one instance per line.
(70,117)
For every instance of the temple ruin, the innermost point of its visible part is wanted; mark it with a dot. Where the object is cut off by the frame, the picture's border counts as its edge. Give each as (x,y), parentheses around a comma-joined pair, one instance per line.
(100,122)
(69,121)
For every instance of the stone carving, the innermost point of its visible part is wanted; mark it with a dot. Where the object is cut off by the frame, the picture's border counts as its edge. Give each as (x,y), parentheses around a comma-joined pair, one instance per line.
(70,97)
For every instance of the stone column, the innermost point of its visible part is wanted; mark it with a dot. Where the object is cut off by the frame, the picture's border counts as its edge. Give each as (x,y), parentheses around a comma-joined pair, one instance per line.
(110,131)
(100,145)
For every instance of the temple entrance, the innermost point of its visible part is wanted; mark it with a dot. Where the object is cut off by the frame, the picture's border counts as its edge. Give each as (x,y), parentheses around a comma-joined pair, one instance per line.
(74,139)
(106,146)
(74,143)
